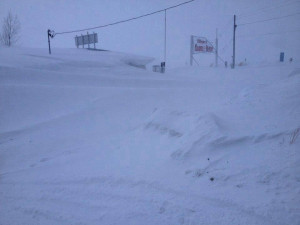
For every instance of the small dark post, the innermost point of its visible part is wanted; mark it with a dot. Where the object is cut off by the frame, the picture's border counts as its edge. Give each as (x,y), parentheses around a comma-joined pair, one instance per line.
(94,40)
(82,41)
(49,34)
(88,36)
(163,67)
(281,56)
(233,54)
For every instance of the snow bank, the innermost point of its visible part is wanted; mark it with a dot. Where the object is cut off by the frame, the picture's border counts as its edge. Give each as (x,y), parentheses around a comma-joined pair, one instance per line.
(87,138)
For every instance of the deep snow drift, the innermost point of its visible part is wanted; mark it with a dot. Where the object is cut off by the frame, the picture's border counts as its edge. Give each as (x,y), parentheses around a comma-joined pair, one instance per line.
(88,138)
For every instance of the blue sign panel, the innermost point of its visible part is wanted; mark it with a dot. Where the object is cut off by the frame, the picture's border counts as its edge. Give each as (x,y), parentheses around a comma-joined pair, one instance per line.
(281,56)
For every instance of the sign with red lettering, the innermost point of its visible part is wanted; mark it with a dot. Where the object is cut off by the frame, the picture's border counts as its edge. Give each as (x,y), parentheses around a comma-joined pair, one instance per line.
(201,45)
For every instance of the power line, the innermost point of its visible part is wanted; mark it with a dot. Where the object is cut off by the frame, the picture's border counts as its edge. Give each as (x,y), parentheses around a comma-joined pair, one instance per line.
(269,8)
(126,20)
(287,3)
(251,7)
(275,18)
(274,33)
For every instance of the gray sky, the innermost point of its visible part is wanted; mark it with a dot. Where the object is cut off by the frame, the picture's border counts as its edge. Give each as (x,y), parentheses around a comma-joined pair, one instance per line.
(146,36)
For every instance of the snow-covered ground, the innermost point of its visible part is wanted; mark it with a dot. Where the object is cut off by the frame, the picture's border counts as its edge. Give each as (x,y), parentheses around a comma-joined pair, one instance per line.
(88,138)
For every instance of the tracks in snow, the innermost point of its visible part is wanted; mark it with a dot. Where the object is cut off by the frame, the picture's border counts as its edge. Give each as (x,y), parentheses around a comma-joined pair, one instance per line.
(105,199)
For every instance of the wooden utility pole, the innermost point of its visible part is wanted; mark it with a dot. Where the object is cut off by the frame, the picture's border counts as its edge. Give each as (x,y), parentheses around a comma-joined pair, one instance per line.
(233,54)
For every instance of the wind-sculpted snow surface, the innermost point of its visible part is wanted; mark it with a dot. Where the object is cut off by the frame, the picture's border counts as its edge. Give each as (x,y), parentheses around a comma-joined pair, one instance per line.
(87,138)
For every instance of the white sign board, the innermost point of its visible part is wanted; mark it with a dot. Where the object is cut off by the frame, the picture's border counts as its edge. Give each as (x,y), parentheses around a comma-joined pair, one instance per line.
(201,45)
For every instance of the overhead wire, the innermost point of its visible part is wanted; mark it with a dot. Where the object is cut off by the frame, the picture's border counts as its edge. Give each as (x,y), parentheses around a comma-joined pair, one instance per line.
(273,7)
(272,33)
(187,2)
(274,18)
(251,7)
(126,20)
(287,3)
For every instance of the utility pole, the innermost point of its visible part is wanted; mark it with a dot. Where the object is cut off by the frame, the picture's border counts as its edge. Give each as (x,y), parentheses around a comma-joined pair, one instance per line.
(49,34)
(233,54)
(217,53)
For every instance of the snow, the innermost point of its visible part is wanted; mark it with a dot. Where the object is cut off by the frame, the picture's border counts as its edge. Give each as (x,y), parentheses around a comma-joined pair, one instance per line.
(88,137)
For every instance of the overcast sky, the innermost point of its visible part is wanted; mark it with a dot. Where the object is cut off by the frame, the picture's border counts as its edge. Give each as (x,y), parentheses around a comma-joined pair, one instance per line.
(146,36)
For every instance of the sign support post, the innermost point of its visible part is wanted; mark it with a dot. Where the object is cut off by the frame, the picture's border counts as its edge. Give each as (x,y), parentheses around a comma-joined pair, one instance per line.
(191,50)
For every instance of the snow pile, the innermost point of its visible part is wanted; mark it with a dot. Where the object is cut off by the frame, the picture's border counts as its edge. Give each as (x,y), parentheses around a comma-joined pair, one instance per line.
(87,138)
